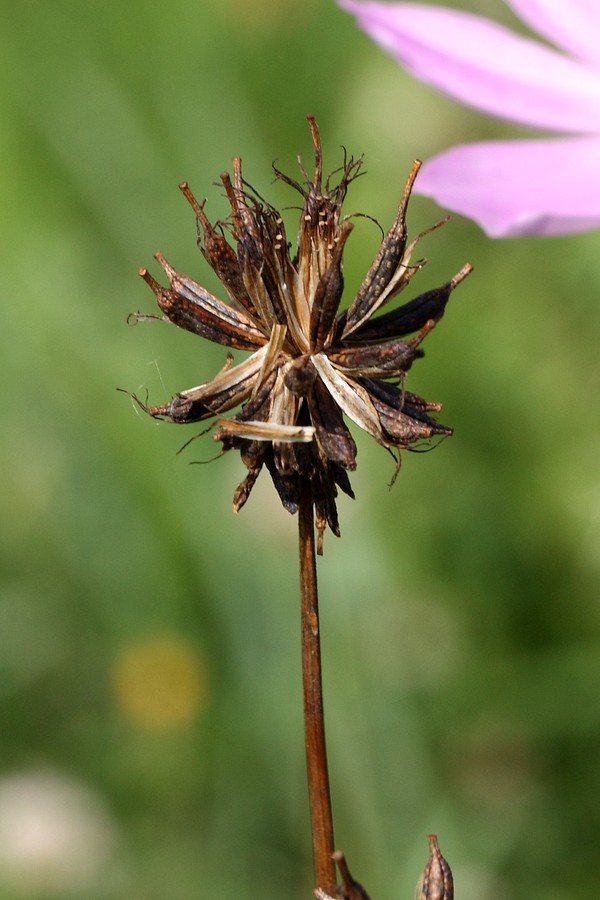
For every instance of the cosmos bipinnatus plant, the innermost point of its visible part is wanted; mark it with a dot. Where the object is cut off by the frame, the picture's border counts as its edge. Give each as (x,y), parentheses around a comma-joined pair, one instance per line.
(312,366)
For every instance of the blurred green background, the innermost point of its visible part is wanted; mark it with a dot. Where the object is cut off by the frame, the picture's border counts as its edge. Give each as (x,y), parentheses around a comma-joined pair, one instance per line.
(151,734)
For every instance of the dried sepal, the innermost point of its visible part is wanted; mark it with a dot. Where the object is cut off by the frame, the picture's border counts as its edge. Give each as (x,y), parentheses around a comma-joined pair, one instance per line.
(328,295)
(374,290)
(436,882)
(388,359)
(220,255)
(349,396)
(192,307)
(413,315)
(232,386)
(264,431)
(242,492)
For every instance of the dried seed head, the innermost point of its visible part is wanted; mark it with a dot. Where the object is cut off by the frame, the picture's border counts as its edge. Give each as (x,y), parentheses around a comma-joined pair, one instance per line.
(311,367)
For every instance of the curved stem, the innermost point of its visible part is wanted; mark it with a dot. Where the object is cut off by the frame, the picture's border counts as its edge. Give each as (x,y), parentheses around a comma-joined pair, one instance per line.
(314,724)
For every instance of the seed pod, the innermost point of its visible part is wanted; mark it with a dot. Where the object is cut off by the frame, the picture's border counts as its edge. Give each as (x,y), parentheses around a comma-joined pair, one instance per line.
(349,888)
(436,882)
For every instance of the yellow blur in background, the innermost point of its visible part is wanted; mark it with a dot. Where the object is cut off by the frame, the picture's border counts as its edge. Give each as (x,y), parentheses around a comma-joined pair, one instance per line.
(159,684)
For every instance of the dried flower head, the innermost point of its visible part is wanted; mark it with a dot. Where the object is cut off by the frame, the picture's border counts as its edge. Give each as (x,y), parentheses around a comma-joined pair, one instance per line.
(310,364)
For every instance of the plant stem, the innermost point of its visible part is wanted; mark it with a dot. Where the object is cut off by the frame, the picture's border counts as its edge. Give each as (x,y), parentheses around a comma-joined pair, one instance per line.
(314,724)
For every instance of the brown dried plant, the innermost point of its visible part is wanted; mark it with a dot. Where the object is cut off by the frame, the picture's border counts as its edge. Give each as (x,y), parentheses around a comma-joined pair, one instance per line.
(312,366)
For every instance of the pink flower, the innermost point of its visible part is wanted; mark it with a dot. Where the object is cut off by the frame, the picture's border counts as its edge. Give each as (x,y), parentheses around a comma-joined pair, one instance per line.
(540,186)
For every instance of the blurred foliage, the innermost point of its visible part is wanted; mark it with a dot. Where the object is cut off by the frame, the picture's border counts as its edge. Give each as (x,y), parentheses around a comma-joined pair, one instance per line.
(150,690)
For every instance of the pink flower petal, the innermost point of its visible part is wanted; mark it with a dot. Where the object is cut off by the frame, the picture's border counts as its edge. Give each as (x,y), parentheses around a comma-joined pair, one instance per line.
(514,188)
(485,65)
(573,25)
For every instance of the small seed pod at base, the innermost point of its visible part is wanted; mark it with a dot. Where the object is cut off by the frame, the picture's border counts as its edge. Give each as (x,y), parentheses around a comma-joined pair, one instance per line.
(436,882)
(349,889)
